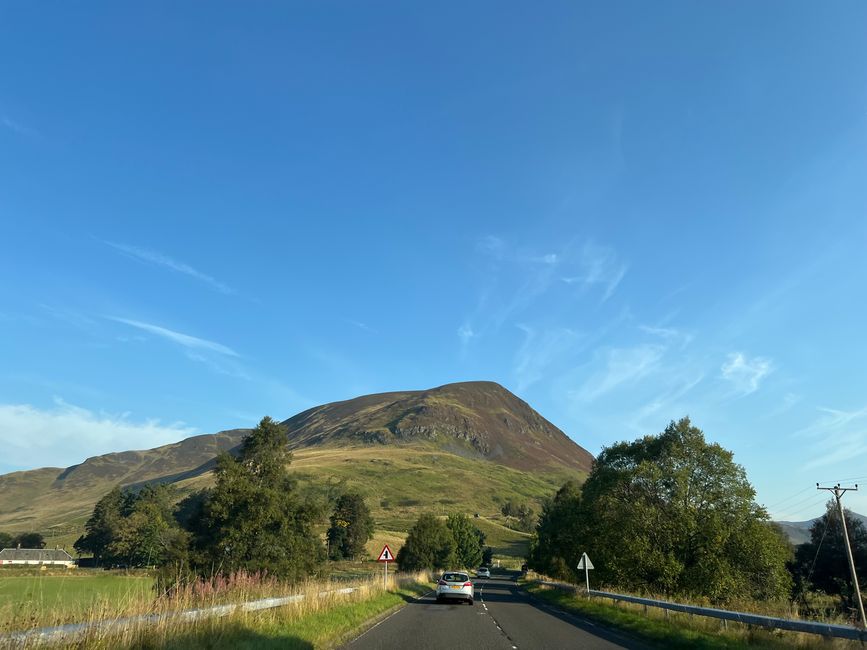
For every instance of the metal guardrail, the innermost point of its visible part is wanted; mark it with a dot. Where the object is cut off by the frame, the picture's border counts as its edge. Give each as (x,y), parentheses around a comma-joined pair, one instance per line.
(68,632)
(828,630)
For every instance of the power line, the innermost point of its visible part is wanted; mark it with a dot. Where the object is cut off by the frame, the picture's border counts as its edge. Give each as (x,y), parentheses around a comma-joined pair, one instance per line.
(824,532)
(838,493)
(796,507)
(789,498)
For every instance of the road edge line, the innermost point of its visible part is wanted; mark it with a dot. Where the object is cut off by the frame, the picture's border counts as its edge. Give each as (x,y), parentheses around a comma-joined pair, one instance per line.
(378,620)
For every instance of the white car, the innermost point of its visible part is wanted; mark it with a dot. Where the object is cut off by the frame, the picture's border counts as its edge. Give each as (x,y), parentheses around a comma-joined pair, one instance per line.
(455,585)
(483,572)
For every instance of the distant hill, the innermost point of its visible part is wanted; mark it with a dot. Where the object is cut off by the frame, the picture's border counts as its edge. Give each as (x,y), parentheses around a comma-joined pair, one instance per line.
(463,446)
(799,531)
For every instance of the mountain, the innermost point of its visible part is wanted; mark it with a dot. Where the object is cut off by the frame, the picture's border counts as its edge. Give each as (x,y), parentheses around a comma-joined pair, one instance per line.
(461,446)
(473,419)
(798,532)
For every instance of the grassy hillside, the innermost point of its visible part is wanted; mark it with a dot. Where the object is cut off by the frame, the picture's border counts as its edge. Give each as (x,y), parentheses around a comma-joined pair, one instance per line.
(399,483)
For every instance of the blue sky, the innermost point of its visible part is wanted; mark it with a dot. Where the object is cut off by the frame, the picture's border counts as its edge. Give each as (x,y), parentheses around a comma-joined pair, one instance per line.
(625,213)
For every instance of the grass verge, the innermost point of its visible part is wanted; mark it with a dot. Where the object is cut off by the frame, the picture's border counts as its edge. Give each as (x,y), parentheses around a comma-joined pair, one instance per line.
(678,630)
(323,618)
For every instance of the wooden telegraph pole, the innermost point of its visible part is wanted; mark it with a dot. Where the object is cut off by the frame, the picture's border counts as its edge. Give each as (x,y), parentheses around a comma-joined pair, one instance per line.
(838,493)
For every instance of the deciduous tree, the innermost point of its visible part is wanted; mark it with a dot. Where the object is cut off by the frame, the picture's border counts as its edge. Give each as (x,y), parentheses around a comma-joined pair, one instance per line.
(822,562)
(429,545)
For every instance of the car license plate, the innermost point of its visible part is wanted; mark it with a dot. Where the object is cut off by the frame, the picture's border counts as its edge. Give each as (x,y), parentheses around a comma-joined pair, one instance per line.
(455,587)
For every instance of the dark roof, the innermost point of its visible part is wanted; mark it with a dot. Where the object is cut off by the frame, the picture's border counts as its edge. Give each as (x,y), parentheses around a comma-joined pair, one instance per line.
(35,554)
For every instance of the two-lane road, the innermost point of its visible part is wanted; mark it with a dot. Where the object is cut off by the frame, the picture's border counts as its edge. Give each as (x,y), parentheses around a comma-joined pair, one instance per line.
(502,618)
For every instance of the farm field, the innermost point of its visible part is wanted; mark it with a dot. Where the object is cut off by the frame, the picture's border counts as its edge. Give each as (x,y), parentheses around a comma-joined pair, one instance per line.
(55,599)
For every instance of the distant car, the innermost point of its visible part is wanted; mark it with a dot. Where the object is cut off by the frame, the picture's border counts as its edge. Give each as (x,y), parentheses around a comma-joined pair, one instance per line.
(455,585)
(483,572)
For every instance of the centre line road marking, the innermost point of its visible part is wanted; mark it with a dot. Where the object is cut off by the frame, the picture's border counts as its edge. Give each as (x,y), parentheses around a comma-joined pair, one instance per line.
(502,631)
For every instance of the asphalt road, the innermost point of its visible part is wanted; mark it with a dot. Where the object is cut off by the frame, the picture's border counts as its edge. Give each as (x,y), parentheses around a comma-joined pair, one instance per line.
(503,617)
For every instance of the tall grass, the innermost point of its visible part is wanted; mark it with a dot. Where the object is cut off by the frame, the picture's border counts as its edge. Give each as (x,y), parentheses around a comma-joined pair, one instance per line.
(163,628)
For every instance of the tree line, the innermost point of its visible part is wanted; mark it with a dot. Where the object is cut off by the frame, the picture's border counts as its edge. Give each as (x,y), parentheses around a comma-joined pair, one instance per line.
(21,540)
(253,519)
(673,514)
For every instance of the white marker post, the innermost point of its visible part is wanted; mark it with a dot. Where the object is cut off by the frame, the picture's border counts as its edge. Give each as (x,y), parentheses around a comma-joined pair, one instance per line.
(585,564)
(385,556)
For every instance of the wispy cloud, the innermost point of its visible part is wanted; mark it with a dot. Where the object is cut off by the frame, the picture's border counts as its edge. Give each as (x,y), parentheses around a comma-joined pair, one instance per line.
(846,428)
(666,402)
(671,335)
(599,265)
(846,448)
(185,340)
(465,334)
(623,366)
(492,246)
(158,259)
(832,421)
(539,351)
(362,326)
(745,374)
(17,127)
(66,434)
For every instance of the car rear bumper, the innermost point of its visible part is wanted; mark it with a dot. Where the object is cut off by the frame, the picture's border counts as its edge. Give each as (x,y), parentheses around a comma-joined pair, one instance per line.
(457,594)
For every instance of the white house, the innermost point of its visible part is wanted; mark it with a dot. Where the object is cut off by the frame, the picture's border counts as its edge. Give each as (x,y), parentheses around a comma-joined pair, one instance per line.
(35,556)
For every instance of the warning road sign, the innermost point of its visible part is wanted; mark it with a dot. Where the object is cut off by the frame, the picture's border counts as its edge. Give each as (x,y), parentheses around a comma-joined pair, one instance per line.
(585,562)
(386,555)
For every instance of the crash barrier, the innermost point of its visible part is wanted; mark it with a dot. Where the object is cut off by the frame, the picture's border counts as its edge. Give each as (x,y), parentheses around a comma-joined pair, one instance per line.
(66,633)
(827,630)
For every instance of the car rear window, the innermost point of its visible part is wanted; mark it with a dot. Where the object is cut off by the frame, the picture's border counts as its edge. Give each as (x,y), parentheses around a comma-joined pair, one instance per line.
(455,577)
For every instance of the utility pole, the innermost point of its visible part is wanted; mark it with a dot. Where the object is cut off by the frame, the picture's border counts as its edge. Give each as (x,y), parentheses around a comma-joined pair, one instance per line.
(838,493)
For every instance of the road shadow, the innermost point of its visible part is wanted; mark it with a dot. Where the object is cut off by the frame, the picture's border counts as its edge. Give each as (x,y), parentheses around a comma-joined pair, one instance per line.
(509,593)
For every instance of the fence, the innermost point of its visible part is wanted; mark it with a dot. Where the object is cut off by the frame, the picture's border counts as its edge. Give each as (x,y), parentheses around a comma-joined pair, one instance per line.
(827,630)
(66,633)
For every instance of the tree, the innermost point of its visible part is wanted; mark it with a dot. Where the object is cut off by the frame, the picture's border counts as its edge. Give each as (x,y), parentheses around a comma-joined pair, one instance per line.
(28,540)
(429,545)
(146,529)
(5,540)
(469,541)
(102,527)
(131,528)
(351,527)
(672,514)
(252,519)
(822,562)
(558,542)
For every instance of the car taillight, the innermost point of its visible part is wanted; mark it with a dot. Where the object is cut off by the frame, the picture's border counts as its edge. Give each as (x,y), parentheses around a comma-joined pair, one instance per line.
(442,582)
(468,584)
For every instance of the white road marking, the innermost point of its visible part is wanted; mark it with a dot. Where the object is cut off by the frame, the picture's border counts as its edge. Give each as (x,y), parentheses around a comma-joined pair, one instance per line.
(482,598)
(394,613)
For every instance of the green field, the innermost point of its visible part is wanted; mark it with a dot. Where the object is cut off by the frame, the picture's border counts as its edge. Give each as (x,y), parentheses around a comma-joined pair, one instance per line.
(65,598)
